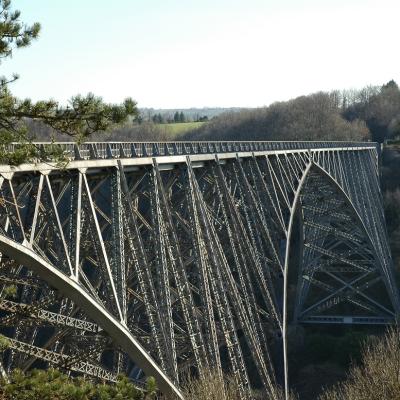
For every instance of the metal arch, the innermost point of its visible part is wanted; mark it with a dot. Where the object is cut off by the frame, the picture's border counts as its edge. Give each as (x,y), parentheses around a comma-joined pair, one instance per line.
(349,202)
(286,272)
(394,295)
(104,319)
(293,210)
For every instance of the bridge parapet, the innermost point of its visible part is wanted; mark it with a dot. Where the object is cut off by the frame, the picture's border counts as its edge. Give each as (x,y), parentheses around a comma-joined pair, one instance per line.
(106,150)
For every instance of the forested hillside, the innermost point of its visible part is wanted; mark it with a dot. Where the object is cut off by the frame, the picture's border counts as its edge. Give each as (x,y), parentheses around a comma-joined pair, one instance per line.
(372,113)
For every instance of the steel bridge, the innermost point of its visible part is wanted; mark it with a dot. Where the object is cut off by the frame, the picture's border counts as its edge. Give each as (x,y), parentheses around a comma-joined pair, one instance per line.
(165,259)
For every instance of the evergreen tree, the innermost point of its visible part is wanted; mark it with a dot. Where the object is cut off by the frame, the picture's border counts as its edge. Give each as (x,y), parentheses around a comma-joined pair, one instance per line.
(52,384)
(158,119)
(390,85)
(84,115)
(176,116)
(181,117)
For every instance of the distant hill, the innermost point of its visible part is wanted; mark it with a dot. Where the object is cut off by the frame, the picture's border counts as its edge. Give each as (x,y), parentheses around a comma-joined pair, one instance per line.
(191,114)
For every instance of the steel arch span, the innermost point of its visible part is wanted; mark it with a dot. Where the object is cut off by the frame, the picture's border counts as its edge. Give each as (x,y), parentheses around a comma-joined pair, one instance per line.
(168,259)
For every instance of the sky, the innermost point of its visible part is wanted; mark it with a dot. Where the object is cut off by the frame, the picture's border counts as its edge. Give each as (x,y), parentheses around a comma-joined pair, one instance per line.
(205,53)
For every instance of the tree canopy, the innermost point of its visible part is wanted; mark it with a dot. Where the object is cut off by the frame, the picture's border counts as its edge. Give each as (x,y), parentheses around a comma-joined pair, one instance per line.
(83,116)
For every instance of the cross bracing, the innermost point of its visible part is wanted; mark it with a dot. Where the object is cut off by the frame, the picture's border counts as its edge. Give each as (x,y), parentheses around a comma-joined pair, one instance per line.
(165,259)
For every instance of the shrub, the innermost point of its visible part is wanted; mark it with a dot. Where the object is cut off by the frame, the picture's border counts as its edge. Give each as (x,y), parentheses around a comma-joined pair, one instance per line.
(378,376)
(211,387)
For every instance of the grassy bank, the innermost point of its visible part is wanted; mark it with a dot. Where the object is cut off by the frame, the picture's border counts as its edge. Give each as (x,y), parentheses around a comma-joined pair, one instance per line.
(176,130)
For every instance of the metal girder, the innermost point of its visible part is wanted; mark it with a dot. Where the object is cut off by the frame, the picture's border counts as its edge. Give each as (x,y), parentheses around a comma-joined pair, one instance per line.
(61,360)
(29,311)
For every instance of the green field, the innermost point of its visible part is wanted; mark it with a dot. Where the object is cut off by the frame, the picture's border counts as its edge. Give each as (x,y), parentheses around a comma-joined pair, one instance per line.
(178,129)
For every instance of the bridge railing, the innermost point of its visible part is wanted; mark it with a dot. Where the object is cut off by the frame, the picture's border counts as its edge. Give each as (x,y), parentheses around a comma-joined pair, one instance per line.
(104,150)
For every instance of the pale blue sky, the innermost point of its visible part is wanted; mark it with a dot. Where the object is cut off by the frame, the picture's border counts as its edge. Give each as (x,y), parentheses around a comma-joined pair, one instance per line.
(178,54)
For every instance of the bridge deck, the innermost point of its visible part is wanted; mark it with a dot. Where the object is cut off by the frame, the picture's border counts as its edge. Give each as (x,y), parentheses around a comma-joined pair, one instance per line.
(105,154)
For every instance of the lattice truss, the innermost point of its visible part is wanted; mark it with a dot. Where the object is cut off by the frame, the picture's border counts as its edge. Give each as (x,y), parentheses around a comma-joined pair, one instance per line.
(199,262)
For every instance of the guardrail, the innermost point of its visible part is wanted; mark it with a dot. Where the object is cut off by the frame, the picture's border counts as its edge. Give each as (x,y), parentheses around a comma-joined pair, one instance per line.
(104,150)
